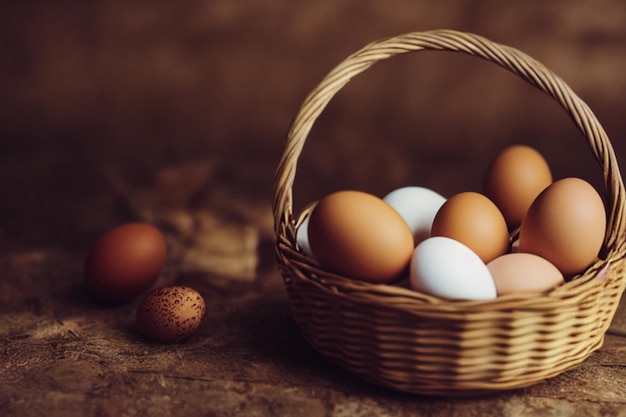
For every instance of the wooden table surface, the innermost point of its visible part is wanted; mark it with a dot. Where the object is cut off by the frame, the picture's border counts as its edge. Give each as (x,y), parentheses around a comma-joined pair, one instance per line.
(176,114)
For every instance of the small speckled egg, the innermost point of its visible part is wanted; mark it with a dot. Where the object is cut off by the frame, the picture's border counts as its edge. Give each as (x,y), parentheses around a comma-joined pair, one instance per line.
(170,314)
(125,262)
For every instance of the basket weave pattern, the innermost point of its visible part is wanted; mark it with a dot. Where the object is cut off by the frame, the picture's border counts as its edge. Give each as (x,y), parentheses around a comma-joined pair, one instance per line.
(422,344)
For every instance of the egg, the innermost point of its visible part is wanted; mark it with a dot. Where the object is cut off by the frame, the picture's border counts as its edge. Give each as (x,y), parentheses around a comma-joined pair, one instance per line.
(170,314)
(447,268)
(565,225)
(474,220)
(358,235)
(302,233)
(514,179)
(125,262)
(418,207)
(523,273)
(302,238)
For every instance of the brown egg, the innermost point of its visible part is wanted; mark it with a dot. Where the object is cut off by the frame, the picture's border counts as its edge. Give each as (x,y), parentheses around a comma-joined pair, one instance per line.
(474,220)
(565,225)
(523,273)
(125,262)
(170,314)
(358,235)
(514,179)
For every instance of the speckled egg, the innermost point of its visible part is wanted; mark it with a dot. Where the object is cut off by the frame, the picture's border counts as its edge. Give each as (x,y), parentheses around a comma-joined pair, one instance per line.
(170,314)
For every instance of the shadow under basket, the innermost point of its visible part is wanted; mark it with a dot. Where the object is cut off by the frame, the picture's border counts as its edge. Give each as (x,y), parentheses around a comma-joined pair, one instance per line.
(416,343)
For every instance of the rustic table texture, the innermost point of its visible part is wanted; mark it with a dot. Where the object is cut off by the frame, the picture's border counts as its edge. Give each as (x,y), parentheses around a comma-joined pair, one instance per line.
(175,114)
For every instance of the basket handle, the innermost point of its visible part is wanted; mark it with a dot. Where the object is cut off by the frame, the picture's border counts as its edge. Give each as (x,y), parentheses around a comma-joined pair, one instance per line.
(448,40)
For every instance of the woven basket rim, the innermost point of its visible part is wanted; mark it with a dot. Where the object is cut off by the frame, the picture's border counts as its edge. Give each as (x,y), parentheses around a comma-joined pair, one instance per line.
(423,304)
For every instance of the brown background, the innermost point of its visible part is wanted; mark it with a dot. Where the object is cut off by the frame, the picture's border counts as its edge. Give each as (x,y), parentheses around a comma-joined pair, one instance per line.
(175,113)
(133,87)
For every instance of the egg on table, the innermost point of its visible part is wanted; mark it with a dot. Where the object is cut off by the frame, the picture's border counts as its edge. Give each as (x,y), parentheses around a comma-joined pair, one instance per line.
(170,314)
(125,262)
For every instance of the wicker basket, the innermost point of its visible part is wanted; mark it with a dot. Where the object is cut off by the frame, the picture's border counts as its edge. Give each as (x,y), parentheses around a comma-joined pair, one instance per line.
(422,344)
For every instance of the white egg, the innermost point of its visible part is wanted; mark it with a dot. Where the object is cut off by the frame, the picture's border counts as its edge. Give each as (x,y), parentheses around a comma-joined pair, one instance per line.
(302,238)
(447,268)
(418,207)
